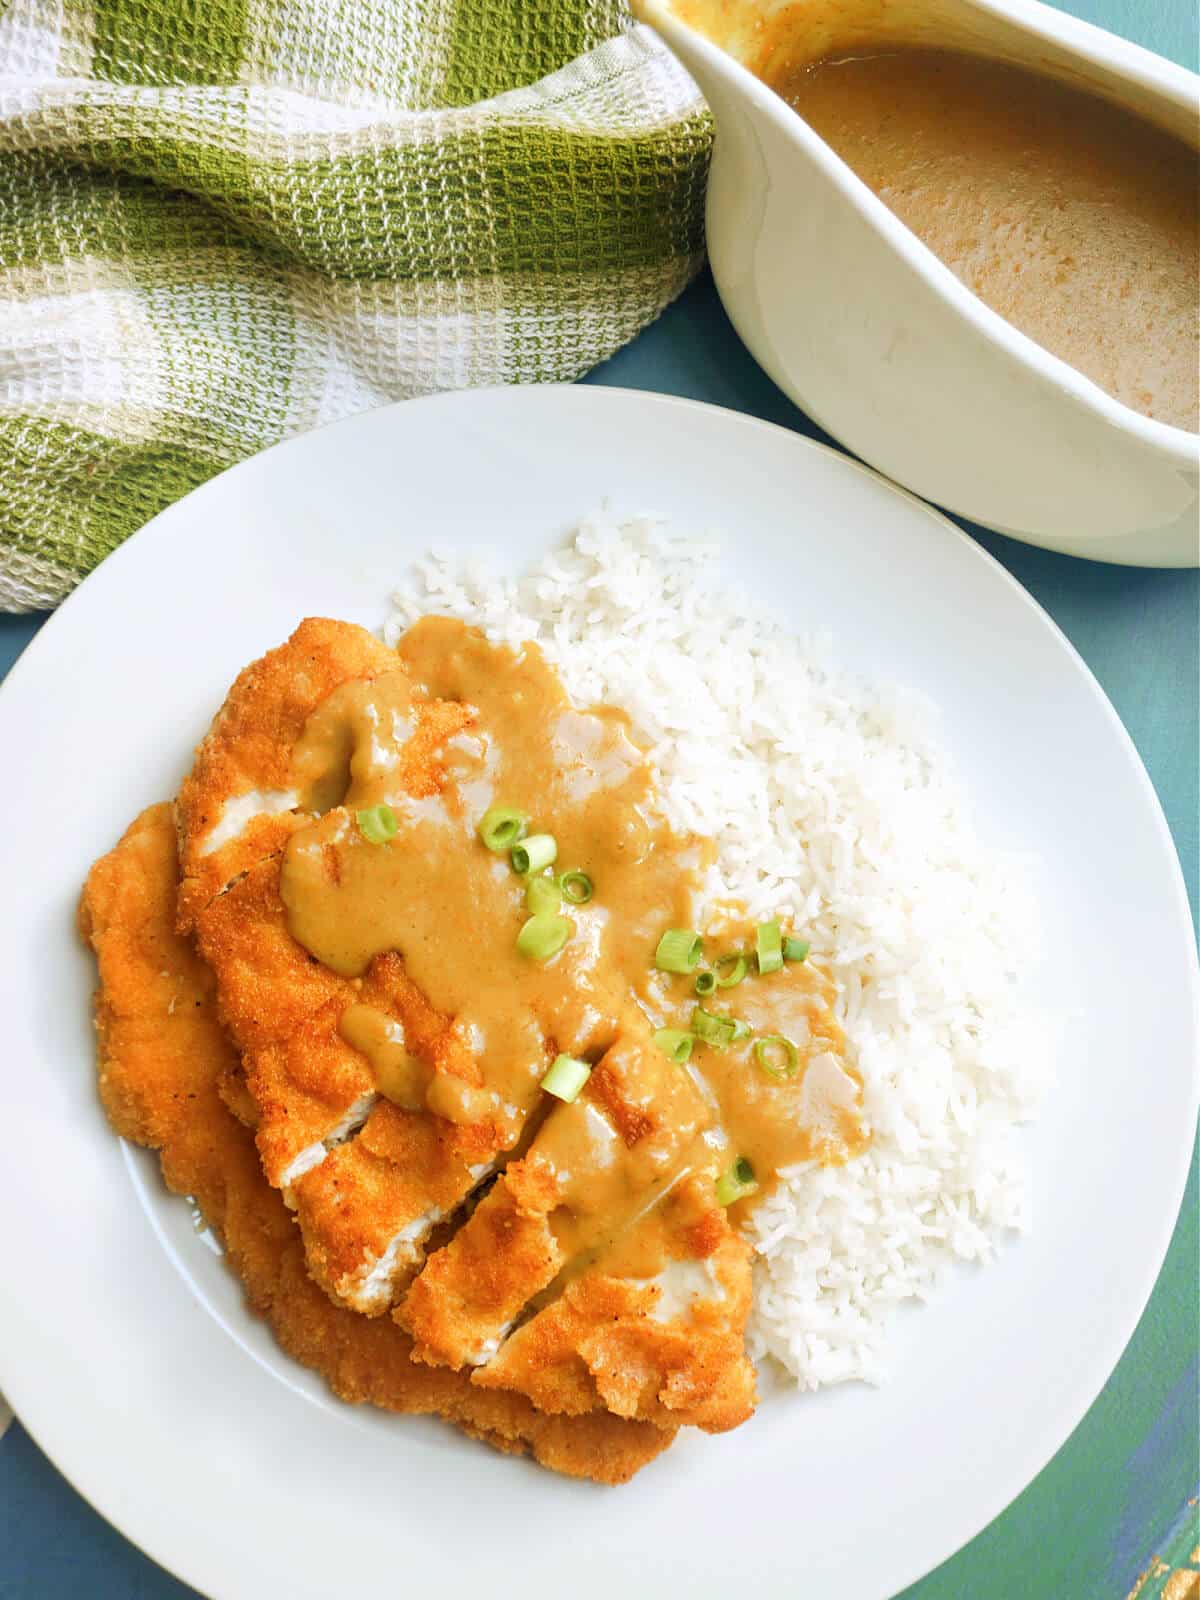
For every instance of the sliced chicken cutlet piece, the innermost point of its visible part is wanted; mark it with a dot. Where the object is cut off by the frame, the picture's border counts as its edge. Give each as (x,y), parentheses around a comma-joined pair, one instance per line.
(164,1066)
(161,1049)
(366,1210)
(281,1007)
(668,1347)
(256,780)
(592,1167)
(369,1179)
(608,1236)
(469,1293)
(270,988)
(244,796)
(301,727)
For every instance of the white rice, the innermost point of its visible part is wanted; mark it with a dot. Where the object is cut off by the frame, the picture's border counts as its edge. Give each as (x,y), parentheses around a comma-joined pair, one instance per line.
(831,807)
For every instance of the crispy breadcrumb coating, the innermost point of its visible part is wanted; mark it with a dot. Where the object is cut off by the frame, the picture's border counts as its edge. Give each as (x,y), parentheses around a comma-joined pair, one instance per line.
(166,1069)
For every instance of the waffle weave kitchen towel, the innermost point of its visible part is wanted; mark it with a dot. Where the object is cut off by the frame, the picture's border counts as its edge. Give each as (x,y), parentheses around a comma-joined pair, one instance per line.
(226,221)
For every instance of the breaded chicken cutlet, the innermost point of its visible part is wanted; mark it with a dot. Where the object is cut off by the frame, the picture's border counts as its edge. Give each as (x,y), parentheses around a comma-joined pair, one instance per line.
(417,939)
(332,724)
(364,1217)
(166,1066)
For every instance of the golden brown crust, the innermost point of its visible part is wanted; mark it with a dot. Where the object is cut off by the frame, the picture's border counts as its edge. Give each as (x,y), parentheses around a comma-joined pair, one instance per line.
(601,1344)
(303,1086)
(270,987)
(473,1288)
(163,1058)
(236,1097)
(308,1085)
(159,1041)
(400,1166)
(303,1082)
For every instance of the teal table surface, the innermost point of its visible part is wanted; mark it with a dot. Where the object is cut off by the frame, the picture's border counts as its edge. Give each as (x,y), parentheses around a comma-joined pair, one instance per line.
(1116,1508)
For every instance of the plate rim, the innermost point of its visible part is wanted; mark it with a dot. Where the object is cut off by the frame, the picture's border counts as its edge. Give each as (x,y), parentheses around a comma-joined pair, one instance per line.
(86,1474)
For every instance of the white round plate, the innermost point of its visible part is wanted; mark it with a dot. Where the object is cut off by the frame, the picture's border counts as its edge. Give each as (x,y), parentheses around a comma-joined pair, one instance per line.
(124,1345)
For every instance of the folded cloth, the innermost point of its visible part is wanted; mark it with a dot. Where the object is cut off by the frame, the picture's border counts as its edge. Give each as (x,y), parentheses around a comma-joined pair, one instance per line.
(227,221)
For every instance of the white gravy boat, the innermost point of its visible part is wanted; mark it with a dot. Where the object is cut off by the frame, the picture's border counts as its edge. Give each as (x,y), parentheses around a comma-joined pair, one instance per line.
(873,336)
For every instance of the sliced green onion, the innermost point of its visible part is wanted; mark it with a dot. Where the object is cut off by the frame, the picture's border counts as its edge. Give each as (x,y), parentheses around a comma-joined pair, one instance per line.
(730,970)
(377,824)
(501,827)
(566,1077)
(741,1030)
(576,887)
(542,897)
(679,950)
(768,946)
(675,1043)
(735,1184)
(534,853)
(776,1055)
(543,936)
(706,982)
(716,1031)
(795,949)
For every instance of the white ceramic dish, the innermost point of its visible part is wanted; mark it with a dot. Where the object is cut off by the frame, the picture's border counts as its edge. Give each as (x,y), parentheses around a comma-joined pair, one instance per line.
(124,1344)
(863,326)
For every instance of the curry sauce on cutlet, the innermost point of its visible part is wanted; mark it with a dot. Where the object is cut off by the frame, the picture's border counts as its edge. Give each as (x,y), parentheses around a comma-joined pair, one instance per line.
(454,909)
(165,1064)
(442,909)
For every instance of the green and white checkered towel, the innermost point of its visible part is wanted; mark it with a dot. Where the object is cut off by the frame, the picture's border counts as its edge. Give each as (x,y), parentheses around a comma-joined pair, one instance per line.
(225,221)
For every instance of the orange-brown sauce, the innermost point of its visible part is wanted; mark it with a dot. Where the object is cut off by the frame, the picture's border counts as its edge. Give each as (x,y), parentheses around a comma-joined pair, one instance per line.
(1073,219)
(401,1077)
(453,909)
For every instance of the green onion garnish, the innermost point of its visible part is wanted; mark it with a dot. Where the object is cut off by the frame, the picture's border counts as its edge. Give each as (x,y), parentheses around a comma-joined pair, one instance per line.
(534,853)
(377,824)
(776,1055)
(730,970)
(735,1184)
(706,982)
(576,887)
(768,946)
(542,897)
(716,1031)
(679,950)
(741,1030)
(675,1043)
(543,936)
(501,828)
(795,949)
(566,1077)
